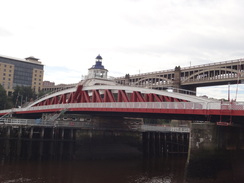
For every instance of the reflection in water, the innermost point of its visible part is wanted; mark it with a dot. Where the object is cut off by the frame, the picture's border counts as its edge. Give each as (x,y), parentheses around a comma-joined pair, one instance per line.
(119,171)
(224,166)
(219,169)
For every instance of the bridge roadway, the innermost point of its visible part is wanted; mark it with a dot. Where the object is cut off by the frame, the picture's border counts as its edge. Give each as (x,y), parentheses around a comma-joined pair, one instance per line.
(174,110)
(219,73)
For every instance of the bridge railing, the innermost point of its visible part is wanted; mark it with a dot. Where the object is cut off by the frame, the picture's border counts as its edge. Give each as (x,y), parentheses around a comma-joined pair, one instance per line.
(39,122)
(131,105)
(137,105)
(149,105)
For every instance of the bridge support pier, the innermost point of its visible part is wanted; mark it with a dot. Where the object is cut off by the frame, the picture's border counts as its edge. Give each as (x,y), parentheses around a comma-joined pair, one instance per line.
(215,149)
(159,144)
(41,143)
(19,143)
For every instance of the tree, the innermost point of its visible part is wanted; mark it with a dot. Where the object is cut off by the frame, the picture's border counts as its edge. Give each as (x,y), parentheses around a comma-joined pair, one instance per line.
(3,97)
(23,94)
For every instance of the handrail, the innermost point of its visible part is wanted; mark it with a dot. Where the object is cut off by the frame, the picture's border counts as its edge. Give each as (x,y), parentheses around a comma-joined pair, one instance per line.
(137,105)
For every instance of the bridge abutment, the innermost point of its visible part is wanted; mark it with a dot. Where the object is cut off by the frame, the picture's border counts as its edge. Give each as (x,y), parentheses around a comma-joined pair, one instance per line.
(215,149)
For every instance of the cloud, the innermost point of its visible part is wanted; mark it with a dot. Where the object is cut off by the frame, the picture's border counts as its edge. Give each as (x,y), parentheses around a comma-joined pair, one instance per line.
(221,92)
(131,35)
(4,32)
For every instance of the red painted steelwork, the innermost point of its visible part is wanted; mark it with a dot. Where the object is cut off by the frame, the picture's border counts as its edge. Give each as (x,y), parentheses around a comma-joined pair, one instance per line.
(99,96)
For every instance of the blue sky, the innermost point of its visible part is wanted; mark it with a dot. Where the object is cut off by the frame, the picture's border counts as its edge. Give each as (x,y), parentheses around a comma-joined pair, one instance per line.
(132,36)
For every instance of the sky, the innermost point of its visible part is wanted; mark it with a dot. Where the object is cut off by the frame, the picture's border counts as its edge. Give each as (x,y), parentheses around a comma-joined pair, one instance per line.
(132,36)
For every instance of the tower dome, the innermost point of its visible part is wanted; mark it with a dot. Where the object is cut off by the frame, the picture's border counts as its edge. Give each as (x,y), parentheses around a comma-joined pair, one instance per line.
(97,70)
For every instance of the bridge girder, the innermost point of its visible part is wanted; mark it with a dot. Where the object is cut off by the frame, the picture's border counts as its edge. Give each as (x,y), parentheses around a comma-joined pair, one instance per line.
(106,95)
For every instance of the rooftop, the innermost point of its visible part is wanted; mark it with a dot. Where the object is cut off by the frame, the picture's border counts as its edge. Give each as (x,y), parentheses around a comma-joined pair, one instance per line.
(30,59)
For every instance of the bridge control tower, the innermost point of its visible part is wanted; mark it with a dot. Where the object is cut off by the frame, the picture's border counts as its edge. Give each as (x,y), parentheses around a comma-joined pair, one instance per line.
(97,70)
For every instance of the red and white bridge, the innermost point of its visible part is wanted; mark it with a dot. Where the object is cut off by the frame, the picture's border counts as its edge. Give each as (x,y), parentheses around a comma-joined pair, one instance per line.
(104,97)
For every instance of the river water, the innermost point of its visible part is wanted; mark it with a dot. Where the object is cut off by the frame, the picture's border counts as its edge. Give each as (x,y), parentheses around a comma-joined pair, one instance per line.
(166,170)
(94,171)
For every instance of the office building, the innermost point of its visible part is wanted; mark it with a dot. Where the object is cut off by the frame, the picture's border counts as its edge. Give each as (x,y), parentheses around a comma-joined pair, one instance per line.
(21,72)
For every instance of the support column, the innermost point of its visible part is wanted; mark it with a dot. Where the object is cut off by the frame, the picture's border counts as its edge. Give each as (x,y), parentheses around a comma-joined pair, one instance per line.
(152,144)
(19,142)
(7,142)
(145,140)
(61,143)
(176,79)
(41,143)
(30,143)
(51,152)
(71,143)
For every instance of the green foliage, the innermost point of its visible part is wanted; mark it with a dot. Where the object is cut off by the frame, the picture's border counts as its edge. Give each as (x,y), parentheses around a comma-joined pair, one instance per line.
(23,94)
(3,97)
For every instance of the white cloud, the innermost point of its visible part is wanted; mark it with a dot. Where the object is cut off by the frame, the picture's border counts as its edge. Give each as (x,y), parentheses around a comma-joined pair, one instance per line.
(131,35)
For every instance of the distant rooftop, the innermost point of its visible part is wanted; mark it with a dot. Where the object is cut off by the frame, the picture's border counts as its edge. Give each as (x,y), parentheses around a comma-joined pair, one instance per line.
(30,59)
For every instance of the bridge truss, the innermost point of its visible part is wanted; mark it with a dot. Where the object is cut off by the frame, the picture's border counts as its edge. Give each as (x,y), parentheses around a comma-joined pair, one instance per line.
(103,98)
(219,73)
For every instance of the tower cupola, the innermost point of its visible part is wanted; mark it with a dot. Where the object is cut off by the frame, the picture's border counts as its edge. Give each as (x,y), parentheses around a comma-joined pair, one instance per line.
(97,70)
